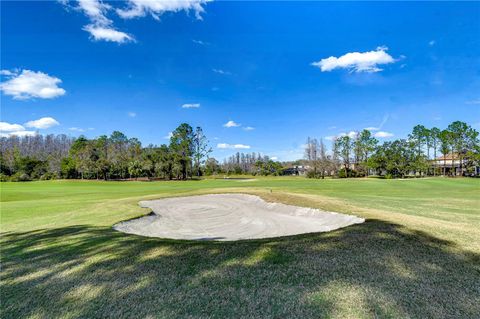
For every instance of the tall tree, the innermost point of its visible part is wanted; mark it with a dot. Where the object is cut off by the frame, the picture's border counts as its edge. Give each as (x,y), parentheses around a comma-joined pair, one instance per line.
(435,139)
(165,162)
(181,145)
(463,137)
(324,161)
(366,144)
(201,149)
(418,137)
(344,149)
(445,147)
(312,155)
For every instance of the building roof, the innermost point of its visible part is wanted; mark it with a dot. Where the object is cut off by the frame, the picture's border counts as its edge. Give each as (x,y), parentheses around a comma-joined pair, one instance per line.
(448,157)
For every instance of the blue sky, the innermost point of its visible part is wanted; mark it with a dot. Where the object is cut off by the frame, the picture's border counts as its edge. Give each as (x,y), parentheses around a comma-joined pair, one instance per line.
(131,68)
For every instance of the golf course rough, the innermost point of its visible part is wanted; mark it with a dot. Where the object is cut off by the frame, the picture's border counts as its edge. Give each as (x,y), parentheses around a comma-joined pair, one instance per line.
(228,217)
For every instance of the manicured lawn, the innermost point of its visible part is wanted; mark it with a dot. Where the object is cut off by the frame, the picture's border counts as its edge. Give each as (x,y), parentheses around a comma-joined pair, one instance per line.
(417,256)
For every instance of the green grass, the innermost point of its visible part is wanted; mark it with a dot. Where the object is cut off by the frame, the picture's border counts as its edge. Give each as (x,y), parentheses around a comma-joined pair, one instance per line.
(417,256)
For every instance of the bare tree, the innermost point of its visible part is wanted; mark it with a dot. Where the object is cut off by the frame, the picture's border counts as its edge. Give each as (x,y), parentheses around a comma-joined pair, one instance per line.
(201,149)
(312,155)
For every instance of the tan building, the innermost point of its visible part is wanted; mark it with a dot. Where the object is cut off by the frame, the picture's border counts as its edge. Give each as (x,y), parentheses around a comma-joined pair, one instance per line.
(451,163)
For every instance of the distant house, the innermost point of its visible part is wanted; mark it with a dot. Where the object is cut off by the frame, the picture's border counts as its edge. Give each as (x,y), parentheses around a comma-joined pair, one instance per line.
(450,164)
(296,170)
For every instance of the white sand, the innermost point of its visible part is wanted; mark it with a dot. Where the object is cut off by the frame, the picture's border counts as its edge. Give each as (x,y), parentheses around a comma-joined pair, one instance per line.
(230,217)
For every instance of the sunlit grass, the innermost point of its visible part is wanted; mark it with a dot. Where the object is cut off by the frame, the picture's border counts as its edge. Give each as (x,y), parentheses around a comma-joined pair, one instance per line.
(416,256)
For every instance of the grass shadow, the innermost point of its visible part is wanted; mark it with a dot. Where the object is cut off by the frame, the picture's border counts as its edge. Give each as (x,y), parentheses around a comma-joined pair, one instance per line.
(370,270)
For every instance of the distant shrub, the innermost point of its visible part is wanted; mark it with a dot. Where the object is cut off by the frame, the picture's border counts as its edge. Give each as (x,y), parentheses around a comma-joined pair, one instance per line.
(4,178)
(48,176)
(311,174)
(20,177)
(342,173)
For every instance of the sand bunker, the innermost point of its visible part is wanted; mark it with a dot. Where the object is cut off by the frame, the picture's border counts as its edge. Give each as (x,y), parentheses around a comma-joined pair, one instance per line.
(230,217)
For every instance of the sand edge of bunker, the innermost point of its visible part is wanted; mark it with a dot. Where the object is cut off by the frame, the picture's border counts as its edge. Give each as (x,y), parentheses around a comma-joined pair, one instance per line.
(230,217)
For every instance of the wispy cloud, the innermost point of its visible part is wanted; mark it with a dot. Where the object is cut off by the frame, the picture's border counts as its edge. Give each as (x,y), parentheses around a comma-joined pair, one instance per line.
(132,114)
(431,43)
(248,128)
(26,84)
(473,102)
(357,61)
(200,42)
(191,106)
(231,124)
(379,127)
(232,146)
(220,71)
(80,130)
(101,28)
(168,136)
(351,134)
(42,123)
(105,33)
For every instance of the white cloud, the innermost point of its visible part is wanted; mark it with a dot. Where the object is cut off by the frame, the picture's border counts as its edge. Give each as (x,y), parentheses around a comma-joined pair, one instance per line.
(6,72)
(132,114)
(76,129)
(357,61)
(220,71)
(351,134)
(168,136)
(431,43)
(232,146)
(140,8)
(7,127)
(372,128)
(191,106)
(30,84)
(42,123)
(107,33)
(231,124)
(383,134)
(101,28)
(95,10)
(274,158)
(248,128)
(19,134)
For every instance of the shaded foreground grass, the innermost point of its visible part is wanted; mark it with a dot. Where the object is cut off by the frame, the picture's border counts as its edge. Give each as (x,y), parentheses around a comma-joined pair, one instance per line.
(371,270)
(417,256)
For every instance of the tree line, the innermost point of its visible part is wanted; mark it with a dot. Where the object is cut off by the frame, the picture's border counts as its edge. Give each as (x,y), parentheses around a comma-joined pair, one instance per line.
(105,157)
(360,155)
(250,164)
(187,155)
